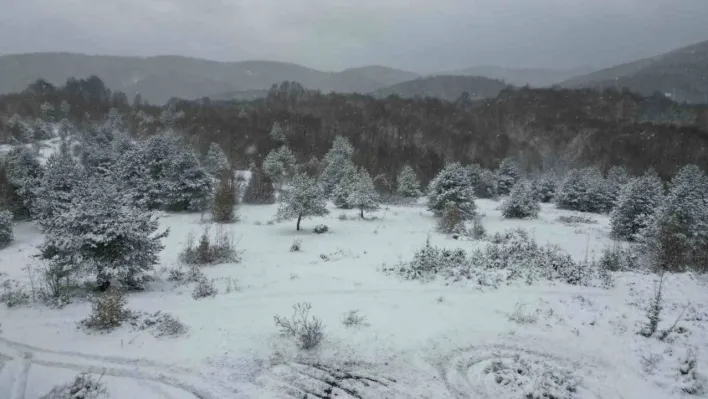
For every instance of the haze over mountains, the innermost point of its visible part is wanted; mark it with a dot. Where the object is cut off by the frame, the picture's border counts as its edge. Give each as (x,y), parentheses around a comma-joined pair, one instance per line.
(682,73)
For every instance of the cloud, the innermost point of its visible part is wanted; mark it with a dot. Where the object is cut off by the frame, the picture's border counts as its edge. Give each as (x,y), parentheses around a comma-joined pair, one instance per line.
(422,35)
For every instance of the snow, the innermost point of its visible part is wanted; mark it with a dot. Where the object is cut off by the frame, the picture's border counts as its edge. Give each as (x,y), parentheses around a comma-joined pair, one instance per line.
(423,340)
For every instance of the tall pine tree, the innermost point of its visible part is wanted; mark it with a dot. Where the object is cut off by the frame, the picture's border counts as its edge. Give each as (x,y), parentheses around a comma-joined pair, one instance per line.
(303,198)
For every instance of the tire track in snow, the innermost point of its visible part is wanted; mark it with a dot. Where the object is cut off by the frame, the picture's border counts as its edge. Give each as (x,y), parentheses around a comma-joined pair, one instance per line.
(137,369)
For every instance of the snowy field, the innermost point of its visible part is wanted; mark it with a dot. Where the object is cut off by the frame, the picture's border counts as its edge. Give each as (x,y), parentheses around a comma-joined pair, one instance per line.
(420,340)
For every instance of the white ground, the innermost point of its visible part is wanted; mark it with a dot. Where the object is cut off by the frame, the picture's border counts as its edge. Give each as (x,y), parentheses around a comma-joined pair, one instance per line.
(424,340)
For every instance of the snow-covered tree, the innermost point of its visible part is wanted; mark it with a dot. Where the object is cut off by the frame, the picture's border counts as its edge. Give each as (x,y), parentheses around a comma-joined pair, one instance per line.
(521,203)
(452,184)
(407,183)
(19,130)
(280,165)
(303,198)
(66,128)
(617,178)
(544,187)
(508,175)
(5,228)
(216,160)
(48,112)
(483,180)
(64,107)
(23,172)
(677,235)
(188,186)
(41,130)
(362,194)
(343,188)
(259,189)
(336,163)
(223,208)
(103,234)
(56,189)
(584,190)
(636,203)
(277,134)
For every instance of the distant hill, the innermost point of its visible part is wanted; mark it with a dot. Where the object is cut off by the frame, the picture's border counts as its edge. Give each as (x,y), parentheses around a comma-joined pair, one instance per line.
(534,77)
(445,87)
(159,78)
(682,74)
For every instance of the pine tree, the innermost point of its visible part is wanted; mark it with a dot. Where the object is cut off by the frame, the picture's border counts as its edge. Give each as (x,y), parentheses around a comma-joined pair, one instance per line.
(5,228)
(260,188)
(336,163)
(584,190)
(452,184)
(55,191)
(41,130)
(23,172)
(101,233)
(343,188)
(407,183)
(19,130)
(508,175)
(280,165)
(544,187)
(484,181)
(521,203)
(134,173)
(277,134)
(617,178)
(304,198)
(225,199)
(216,160)
(636,203)
(189,186)
(362,194)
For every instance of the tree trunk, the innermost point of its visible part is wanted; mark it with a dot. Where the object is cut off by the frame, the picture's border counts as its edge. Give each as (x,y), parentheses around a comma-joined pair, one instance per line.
(362,212)
(299,218)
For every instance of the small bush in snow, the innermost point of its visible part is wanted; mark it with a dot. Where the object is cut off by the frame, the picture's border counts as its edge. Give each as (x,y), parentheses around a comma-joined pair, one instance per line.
(163,325)
(321,229)
(573,220)
(452,184)
(522,316)
(478,231)
(296,245)
(654,309)
(12,294)
(5,228)
(617,258)
(353,319)
(521,203)
(108,311)
(222,250)
(308,331)
(204,288)
(342,216)
(452,221)
(690,381)
(83,387)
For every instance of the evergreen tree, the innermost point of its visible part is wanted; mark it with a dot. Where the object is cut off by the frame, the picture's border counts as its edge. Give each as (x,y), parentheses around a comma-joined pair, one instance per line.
(19,130)
(66,129)
(23,172)
(216,160)
(407,183)
(452,184)
(584,190)
(362,194)
(636,203)
(521,203)
(280,165)
(103,234)
(277,134)
(343,188)
(617,178)
(41,130)
(304,198)
(5,228)
(544,187)
(259,189)
(336,163)
(484,181)
(225,199)
(189,186)
(56,189)
(508,175)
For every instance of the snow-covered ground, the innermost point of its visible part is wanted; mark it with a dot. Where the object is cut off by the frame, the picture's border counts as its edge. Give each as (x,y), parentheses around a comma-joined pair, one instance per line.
(422,340)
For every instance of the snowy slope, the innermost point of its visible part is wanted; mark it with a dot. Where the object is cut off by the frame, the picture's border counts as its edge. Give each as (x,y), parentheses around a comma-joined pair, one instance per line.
(423,340)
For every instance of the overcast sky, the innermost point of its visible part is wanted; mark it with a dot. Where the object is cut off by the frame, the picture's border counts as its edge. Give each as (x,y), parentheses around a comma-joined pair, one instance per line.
(419,35)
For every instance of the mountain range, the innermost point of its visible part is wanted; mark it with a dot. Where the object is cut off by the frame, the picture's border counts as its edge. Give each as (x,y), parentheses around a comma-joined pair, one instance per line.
(681,74)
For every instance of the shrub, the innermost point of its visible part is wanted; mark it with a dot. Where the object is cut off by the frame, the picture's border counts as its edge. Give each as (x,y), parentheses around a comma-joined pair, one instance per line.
(321,229)
(521,203)
(573,220)
(108,311)
(83,387)
(617,258)
(163,325)
(478,231)
(12,294)
(353,319)
(5,228)
(452,221)
(296,245)
(204,288)
(308,331)
(521,316)
(223,250)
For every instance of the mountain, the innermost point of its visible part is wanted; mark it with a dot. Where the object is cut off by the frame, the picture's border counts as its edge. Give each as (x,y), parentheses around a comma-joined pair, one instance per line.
(159,78)
(446,87)
(681,74)
(535,77)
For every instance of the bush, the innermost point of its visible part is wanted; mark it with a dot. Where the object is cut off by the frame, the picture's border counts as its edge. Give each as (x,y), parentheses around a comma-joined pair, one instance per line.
(616,258)
(12,294)
(83,387)
(5,228)
(204,288)
(521,203)
(223,250)
(573,220)
(308,331)
(478,231)
(452,221)
(108,311)
(354,319)
(296,245)
(321,229)
(223,208)
(163,325)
